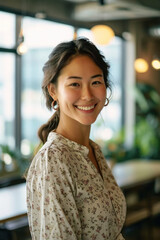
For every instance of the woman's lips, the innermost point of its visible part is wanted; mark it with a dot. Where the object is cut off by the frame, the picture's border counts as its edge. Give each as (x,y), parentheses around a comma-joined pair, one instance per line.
(86,108)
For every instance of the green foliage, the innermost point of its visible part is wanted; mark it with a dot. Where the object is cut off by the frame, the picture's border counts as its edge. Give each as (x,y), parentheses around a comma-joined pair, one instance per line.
(147,129)
(13,153)
(22,162)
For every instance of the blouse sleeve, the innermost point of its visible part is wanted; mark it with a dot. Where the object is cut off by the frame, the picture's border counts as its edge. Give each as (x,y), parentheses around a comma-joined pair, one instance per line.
(120,237)
(52,210)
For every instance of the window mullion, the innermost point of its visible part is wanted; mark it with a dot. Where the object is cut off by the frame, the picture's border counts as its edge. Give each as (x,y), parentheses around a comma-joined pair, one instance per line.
(18,91)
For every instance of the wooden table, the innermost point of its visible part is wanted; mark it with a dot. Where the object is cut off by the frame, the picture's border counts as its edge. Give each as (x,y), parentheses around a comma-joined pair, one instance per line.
(136,172)
(137,179)
(12,202)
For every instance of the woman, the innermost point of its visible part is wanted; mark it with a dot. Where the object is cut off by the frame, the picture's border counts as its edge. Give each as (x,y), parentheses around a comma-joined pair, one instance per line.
(71,193)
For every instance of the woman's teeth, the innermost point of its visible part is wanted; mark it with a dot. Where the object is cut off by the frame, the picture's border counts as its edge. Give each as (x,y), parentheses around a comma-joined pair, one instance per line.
(85,108)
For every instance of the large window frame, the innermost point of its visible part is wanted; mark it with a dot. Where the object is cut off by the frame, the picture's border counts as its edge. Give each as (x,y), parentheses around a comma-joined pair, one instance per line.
(11,49)
(18,87)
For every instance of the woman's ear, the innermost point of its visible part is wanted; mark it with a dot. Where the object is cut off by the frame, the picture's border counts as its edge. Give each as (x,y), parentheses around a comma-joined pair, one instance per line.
(52,90)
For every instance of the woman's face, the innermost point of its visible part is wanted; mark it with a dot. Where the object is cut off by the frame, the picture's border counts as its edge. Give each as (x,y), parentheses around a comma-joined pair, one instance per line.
(81,91)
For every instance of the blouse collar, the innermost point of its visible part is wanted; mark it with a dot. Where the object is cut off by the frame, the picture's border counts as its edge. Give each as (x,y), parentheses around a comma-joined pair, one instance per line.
(71,144)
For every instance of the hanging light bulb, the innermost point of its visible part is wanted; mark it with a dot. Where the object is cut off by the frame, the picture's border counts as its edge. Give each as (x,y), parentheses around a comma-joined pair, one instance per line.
(156,64)
(102,34)
(21,48)
(75,34)
(141,65)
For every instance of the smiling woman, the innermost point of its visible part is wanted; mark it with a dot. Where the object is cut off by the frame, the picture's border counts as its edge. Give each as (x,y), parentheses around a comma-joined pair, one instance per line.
(71,192)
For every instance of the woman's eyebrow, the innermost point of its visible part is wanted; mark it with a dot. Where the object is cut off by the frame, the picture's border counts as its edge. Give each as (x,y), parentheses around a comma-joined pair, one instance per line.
(97,75)
(76,77)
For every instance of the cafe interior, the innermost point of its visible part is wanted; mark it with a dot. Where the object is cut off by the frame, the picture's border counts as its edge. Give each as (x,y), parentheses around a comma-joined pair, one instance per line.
(128,130)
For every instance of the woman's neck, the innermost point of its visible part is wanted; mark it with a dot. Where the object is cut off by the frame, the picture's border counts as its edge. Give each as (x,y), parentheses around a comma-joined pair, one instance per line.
(75,132)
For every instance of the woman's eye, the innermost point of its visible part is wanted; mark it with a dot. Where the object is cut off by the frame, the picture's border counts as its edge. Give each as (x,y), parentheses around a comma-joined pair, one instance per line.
(96,82)
(74,84)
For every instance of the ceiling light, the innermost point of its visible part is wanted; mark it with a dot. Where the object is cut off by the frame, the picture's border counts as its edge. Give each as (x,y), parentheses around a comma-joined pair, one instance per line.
(154,31)
(156,64)
(141,65)
(21,48)
(41,15)
(102,34)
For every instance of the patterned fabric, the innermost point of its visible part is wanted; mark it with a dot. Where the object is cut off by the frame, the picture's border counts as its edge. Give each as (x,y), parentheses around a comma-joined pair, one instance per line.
(68,199)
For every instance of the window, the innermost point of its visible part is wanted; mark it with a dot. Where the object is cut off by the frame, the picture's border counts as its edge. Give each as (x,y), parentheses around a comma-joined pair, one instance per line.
(7,79)
(7,30)
(40,38)
(7,97)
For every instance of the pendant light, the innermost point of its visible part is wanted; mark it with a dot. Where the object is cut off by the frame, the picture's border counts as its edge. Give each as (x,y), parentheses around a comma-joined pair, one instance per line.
(102,34)
(21,48)
(156,63)
(141,65)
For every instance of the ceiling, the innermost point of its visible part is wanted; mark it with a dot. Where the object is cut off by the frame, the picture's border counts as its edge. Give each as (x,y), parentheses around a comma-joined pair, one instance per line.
(113,9)
(86,12)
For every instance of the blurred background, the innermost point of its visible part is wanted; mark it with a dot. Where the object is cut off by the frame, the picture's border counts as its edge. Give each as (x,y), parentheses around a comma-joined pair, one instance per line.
(128,130)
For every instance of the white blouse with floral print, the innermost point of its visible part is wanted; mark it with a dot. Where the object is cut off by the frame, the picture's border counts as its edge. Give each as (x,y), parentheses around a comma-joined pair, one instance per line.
(67,199)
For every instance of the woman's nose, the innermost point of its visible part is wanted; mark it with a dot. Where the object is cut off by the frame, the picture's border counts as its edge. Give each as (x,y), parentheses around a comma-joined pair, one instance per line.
(86,93)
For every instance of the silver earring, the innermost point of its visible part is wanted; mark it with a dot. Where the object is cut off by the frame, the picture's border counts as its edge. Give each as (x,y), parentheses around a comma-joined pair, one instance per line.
(54,103)
(106,102)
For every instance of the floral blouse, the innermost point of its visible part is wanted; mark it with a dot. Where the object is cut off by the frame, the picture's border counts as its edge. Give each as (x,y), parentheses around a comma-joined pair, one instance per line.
(67,199)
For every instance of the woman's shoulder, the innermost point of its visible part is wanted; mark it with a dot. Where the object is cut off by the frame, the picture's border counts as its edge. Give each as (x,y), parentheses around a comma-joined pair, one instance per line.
(54,148)
(54,152)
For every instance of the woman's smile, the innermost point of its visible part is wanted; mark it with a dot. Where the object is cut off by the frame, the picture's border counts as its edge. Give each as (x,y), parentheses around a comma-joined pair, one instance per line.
(87,109)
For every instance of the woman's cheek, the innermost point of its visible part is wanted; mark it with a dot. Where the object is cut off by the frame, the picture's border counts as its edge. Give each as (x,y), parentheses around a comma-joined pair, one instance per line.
(102,93)
(71,95)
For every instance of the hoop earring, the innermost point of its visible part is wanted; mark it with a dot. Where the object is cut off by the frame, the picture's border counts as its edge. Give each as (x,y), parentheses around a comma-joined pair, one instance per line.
(53,105)
(106,104)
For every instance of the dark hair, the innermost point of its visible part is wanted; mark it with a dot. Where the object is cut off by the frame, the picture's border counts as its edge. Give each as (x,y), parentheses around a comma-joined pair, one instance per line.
(58,59)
